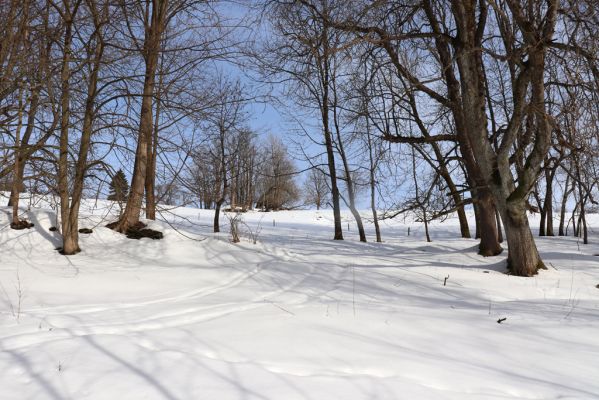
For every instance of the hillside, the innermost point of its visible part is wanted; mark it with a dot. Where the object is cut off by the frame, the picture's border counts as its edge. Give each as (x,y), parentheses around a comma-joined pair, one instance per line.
(294,316)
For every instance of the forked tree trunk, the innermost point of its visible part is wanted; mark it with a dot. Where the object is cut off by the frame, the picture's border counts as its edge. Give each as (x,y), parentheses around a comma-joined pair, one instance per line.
(573,218)
(152,43)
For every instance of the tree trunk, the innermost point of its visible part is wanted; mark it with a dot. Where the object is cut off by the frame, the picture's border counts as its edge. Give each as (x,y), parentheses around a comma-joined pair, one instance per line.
(543,221)
(498,222)
(489,241)
(477,221)
(428,236)
(335,196)
(16,182)
(548,204)
(375,218)
(523,256)
(573,218)
(151,53)
(463,220)
(63,184)
(348,178)
(70,232)
(216,224)
(585,232)
(372,170)
(150,182)
(562,216)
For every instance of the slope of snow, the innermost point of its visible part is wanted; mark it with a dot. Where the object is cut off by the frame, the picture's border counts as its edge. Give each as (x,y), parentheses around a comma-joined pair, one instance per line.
(295,316)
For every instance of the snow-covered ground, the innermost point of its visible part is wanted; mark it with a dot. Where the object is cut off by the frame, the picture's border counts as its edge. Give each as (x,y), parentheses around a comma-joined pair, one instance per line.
(294,316)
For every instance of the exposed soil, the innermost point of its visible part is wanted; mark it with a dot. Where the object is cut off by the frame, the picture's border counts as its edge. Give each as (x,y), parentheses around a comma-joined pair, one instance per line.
(22,224)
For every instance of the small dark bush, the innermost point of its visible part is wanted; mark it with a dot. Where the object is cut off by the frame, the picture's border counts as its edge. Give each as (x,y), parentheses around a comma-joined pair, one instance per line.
(85,230)
(144,233)
(22,224)
(139,231)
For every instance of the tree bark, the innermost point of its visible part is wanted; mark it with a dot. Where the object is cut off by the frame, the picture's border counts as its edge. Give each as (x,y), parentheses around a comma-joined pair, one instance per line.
(338,235)
(150,183)
(548,203)
(562,216)
(16,182)
(152,43)
(63,184)
(70,223)
(498,222)
(489,240)
(523,256)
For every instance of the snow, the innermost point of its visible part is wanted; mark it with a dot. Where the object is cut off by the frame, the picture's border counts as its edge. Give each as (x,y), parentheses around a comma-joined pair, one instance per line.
(294,316)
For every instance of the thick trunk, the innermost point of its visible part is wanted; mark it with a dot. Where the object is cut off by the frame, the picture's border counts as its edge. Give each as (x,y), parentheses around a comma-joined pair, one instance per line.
(523,257)
(489,241)
(477,221)
(134,201)
(70,235)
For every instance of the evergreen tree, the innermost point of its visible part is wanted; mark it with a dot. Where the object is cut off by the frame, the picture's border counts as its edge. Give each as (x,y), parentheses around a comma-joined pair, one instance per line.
(119,187)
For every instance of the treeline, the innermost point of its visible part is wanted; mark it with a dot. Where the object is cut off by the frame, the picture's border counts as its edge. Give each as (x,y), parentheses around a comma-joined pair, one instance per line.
(490,104)
(88,86)
(452,104)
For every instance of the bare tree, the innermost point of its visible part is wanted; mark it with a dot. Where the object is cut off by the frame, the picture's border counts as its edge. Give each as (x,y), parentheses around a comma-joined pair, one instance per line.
(275,185)
(316,190)
(302,55)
